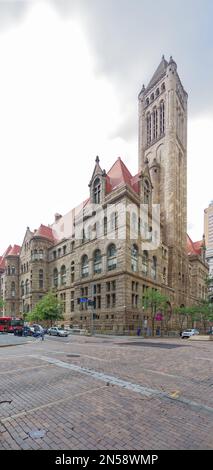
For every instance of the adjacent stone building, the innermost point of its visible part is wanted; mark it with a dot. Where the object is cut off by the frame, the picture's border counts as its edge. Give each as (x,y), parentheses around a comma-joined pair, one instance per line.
(110,249)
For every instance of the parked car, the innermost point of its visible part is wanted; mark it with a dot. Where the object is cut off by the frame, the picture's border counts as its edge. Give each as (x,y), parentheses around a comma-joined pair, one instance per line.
(190,332)
(55,331)
(27,331)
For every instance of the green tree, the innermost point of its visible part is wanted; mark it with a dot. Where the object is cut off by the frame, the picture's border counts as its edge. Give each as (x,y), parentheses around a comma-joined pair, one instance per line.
(1,304)
(181,314)
(153,300)
(48,309)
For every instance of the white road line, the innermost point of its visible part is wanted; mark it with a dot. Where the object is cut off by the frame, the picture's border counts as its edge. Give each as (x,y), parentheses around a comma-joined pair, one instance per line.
(149,392)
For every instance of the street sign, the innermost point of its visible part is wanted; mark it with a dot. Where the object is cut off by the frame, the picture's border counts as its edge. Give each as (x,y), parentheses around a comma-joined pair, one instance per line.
(83,299)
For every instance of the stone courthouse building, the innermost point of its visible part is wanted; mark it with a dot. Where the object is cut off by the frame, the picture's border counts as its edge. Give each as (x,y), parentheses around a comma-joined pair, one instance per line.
(110,250)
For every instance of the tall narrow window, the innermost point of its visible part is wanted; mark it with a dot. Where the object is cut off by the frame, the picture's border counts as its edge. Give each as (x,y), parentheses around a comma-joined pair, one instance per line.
(41,278)
(72,272)
(111,257)
(145,263)
(63,275)
(55,277)
(162,118)
(155,123)
(154,267)
(148,128)
(105,226)
(146,192)
(97,262)
(22,288)
(27,287)
(134,258)
(97,191)
(85,266)
(13,289)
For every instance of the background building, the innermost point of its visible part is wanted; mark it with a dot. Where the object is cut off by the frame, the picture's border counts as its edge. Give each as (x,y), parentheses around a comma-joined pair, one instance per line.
(112,270)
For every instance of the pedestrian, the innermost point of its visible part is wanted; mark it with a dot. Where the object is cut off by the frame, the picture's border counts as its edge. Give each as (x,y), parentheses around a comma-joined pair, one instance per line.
(42,335)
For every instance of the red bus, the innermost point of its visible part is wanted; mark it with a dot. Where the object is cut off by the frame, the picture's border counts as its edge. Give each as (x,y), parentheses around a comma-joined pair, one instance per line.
(9,324)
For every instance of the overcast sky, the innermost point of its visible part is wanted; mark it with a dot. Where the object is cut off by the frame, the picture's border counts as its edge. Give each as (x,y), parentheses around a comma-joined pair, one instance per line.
(70,74)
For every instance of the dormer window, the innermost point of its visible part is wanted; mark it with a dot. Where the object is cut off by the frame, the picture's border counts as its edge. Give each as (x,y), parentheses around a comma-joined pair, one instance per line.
(97,191)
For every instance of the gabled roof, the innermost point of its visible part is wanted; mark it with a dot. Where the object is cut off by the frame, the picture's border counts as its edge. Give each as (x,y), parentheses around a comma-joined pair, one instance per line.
(2,258)
(194,248)
(119,174)
(159,73)
(45,232)
(15,251)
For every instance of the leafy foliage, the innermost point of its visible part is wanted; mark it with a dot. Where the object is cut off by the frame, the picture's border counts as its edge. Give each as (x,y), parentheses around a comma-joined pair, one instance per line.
(48,309)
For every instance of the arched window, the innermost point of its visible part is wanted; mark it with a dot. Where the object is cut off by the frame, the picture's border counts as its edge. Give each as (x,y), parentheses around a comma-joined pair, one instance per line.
(163,87)
(145,263)
(146,192)
(97,191)
(148,128)
(154,267)
(13,270)
(97,262)
(162,118)
(35,254)
(63,275)
(134,258)
(22,288)
(152,96)
(147,101)
(41,254)
(85,266)
(41,278)
(157,92)
(13,289)
(72,272)
(8,270)
(55,277)
(155,123)
(27,286)
(111,257)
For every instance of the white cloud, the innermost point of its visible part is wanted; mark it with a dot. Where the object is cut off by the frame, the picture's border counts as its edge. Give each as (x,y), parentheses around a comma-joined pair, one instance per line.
(55,116)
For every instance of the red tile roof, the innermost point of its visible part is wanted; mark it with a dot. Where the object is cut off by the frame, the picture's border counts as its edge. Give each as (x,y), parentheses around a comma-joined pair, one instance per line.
(2,258)
(119,175)
(194,248)
(15,251)
(45,232)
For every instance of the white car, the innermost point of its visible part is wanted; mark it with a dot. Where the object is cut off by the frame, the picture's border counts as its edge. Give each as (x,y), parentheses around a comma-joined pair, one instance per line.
(55,331)
(190,332)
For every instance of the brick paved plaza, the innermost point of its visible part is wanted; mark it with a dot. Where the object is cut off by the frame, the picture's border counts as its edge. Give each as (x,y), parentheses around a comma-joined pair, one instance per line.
(107,393)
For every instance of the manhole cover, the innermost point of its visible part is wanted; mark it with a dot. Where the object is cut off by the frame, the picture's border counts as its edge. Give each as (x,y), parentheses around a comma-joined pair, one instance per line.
(37,434)
(73,355)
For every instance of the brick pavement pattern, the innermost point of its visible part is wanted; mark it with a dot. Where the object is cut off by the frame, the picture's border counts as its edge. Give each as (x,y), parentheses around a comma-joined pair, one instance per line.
(40,390)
